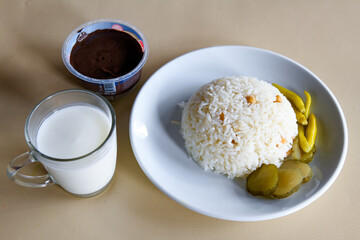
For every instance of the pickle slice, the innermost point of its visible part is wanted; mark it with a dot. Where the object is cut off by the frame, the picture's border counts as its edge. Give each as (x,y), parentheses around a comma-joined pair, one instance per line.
(304,168)
(289,182)
(263,181)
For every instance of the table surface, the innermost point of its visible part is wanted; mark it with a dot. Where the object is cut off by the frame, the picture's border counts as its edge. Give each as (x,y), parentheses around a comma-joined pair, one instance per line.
(324,36)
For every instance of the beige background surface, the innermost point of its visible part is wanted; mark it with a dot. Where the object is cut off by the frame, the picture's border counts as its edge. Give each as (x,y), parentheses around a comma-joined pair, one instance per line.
(324,36)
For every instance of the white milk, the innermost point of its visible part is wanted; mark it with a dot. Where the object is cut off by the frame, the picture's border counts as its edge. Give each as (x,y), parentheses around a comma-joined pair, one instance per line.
(72,132)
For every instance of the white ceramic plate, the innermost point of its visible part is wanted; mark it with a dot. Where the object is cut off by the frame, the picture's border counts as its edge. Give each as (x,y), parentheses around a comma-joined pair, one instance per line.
(159,147)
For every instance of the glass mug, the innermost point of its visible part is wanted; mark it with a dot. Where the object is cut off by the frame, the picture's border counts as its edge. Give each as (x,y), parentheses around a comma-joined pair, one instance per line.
(72,133)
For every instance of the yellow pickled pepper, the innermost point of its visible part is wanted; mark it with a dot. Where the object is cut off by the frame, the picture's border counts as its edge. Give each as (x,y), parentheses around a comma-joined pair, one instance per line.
(292,97)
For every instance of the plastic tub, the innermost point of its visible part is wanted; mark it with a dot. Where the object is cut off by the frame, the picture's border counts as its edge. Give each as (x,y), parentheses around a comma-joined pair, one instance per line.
(108,87)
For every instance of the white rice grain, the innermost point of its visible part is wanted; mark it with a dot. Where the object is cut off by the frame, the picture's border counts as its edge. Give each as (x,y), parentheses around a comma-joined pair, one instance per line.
(226,134)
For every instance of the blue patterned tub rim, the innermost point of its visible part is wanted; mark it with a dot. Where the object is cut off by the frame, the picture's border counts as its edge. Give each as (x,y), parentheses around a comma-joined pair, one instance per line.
(89,27)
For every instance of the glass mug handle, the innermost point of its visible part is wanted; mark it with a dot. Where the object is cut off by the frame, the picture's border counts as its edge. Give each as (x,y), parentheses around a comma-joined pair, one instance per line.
(26,180)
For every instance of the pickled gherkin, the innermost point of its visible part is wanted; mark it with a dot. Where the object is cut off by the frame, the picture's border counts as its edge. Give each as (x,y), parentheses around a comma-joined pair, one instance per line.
(263,181)
(290,181)
(304,168)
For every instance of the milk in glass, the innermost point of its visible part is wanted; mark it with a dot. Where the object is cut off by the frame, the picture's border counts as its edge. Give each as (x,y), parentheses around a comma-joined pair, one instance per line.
(76,131)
